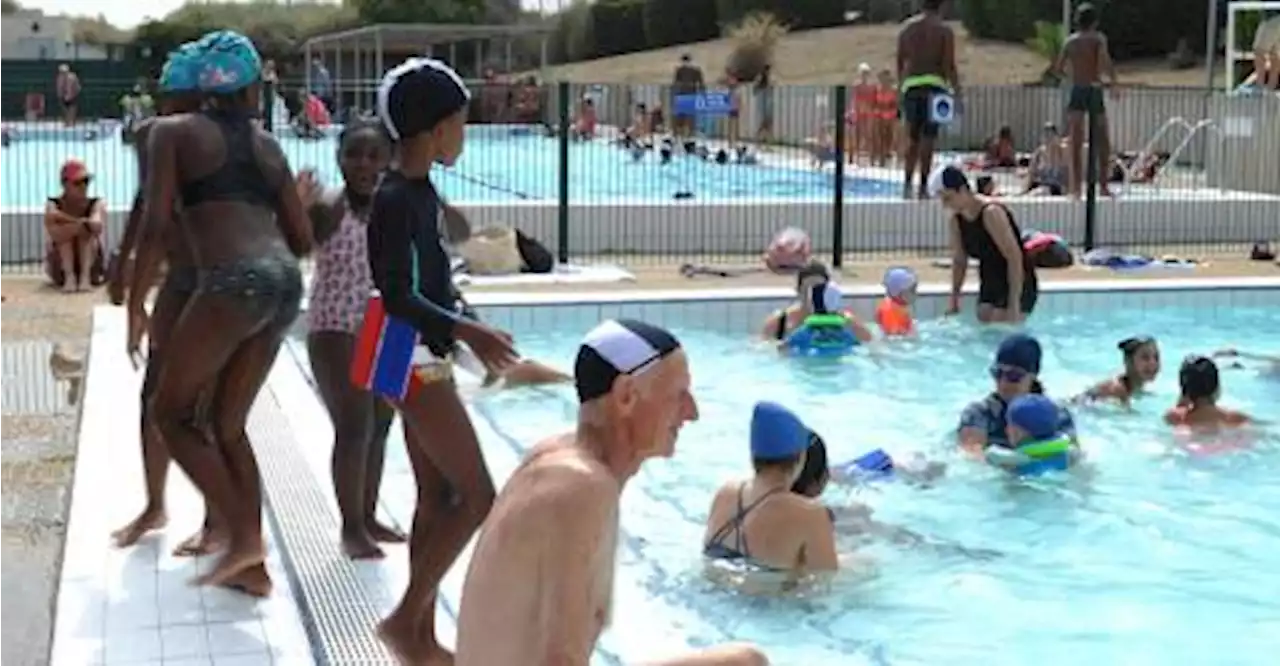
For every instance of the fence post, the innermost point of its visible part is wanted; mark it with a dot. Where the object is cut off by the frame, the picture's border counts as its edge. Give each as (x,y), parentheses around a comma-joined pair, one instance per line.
(562,228)
(268,108)
(837,212)
(1091,182)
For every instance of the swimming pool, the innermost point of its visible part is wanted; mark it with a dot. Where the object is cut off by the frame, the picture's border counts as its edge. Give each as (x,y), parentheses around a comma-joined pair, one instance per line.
(498,166)
(1154,557)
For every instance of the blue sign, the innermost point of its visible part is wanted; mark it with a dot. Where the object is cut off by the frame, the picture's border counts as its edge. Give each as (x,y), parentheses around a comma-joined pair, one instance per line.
(704,104)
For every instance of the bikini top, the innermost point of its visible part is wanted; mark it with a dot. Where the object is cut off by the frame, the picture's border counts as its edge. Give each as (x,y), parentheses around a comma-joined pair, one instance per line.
(240,178)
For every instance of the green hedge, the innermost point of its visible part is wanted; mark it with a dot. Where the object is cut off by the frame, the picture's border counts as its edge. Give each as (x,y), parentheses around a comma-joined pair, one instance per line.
(1134,28)
(617,27)
(798,14)
(675,22)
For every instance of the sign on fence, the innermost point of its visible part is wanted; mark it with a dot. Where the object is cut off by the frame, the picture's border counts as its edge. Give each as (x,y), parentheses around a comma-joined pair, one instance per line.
(704,104)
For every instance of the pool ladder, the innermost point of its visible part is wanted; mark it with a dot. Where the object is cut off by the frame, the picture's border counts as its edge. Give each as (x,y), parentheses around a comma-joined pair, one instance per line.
(1191,129)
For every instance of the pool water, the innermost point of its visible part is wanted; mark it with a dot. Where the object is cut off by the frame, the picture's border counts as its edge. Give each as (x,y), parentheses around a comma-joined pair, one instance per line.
(495,167)
(1148,555)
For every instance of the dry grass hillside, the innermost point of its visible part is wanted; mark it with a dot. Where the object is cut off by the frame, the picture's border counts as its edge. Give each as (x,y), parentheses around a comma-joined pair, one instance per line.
(831,56)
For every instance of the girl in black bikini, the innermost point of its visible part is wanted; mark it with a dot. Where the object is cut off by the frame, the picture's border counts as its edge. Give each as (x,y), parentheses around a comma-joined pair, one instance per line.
(248,225)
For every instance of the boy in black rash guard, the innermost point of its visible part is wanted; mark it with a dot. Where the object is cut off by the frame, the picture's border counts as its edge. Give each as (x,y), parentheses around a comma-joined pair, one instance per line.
(423,104)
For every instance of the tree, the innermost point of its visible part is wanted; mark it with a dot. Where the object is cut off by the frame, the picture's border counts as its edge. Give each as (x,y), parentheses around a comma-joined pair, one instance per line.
(417,11)
(9,7)
(275,29)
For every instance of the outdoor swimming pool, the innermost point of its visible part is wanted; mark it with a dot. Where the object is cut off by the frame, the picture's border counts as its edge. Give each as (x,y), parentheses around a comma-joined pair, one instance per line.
(496,167)
(1151,556)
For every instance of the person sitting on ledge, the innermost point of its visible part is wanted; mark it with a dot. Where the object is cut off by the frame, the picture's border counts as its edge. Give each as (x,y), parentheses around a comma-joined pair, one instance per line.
(74,222)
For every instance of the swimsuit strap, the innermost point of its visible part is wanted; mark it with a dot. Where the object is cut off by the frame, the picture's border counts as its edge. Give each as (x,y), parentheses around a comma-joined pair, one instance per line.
(782,325)
(735,523)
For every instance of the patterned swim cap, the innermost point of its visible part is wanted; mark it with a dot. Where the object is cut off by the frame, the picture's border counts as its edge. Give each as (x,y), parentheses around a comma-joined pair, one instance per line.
(181,71)
(229,62)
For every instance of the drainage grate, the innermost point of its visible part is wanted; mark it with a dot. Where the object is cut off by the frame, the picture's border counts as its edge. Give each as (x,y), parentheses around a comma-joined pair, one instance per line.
(340,614)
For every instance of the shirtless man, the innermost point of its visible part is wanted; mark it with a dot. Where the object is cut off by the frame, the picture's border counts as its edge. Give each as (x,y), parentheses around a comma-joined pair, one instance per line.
(926,67)
(1088,56)
(539,588)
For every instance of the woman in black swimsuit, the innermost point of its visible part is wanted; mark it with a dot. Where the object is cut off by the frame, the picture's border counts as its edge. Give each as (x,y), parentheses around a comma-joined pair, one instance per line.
(247,224)
(792,532)
(985,230)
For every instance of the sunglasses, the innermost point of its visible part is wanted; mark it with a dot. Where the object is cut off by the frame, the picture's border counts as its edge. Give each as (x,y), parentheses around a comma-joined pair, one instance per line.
(82,182)
(1007,374)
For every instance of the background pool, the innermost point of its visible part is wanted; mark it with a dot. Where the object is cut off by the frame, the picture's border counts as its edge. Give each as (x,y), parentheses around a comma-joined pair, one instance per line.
(497,166)
(1155,557)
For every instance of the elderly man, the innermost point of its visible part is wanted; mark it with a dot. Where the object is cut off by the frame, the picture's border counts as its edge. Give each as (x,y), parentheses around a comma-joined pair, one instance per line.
(540,585)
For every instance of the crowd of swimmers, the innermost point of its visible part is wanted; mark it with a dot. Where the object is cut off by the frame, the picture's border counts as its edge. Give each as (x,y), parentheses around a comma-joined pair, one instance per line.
(221,209)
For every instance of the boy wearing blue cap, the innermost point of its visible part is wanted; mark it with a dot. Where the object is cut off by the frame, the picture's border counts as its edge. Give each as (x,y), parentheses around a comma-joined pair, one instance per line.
(1016,373)
(1037,441)
(759,521)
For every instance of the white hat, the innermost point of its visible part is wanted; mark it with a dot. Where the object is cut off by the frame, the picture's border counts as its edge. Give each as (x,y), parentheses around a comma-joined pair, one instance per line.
(899,280)
(828,296)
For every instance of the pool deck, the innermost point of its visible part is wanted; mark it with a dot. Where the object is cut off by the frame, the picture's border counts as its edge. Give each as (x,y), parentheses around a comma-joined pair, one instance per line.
(865,272)
(135,606)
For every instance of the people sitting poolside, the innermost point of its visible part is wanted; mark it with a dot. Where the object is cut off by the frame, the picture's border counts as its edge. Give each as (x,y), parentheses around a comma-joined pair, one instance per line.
(74,222)
(759,522)
(1016,372)
(1037,440)
(1197,407)
(1047,172)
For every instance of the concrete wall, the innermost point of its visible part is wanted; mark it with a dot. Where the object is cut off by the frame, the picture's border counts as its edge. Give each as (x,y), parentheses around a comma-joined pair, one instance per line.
(689,229)
(28,34)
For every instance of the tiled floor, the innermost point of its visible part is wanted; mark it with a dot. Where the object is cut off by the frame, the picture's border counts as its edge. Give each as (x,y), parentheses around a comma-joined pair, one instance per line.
(136,606)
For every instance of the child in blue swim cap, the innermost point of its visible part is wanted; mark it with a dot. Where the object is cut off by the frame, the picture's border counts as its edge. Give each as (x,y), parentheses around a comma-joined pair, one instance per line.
(1037,441)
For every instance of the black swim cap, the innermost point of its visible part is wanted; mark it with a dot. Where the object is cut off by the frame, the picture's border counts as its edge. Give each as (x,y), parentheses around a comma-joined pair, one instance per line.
(618,347)
(1198,377)
(417,94)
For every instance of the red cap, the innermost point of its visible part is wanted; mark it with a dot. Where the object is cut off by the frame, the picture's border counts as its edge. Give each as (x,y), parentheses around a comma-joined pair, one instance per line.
(73,170)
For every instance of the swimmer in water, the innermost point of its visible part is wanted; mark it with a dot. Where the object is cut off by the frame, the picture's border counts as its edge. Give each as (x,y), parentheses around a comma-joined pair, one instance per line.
(759,521)
(826,299)
(814,297)
(1198,403)
(1033,419)
(1141,366)
(539,587)
(893,312)
(1016,372)
(1272,362)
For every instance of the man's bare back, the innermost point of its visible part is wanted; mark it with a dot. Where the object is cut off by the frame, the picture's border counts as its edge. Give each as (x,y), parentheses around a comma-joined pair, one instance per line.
(922,46)
(1083,54)
(555,522)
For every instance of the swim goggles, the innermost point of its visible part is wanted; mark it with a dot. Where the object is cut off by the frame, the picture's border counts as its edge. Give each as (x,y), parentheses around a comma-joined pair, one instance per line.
(1008,374)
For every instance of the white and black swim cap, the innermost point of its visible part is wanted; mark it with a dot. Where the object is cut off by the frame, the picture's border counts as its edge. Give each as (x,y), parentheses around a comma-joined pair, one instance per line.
(615,348)
(946,178)
(417,94)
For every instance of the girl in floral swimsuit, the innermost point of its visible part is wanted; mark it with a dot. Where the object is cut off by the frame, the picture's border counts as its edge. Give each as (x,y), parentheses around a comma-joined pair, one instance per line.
(339,293)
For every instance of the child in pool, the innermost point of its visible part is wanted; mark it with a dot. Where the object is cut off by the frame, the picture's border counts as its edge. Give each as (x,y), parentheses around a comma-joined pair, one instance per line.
(893,313)
(1141,366)
(1198,404)
(1033,419)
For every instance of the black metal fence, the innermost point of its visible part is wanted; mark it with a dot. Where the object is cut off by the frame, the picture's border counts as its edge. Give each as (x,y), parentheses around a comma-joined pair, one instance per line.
(607,173)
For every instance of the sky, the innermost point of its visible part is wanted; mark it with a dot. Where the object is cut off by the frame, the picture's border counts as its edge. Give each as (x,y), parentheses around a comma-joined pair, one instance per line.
(130,14)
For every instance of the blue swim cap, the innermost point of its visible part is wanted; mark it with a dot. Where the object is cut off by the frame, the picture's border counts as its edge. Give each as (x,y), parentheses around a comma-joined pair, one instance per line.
(1036,414)
(181,71)
(776,432)
(229,62)
(1020,351)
